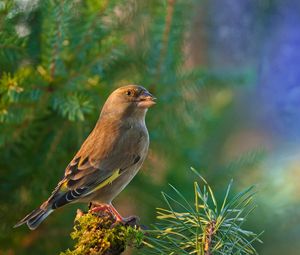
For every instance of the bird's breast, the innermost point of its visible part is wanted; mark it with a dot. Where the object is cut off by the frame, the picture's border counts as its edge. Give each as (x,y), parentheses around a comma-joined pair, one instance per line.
(136,134)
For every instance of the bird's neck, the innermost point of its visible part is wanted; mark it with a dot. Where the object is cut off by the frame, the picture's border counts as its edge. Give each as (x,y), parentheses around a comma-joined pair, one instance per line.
(130,113)
(134,119)
(135,122)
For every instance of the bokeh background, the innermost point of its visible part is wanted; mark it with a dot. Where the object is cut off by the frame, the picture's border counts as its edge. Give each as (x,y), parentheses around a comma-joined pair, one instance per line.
(226,75)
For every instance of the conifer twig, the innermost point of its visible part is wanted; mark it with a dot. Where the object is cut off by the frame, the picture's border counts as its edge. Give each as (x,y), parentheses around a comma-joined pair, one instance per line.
(87,37)
(58,35)
(166,35)
(209,233)
(205,230)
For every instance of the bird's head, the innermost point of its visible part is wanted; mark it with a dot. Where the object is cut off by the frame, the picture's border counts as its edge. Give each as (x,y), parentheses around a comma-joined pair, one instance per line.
(130,100)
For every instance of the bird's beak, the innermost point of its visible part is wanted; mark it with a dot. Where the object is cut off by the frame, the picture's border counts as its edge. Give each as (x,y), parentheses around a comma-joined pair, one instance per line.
(146,100)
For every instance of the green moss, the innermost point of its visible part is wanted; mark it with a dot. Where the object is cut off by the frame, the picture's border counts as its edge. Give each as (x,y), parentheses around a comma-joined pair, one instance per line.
(99,235)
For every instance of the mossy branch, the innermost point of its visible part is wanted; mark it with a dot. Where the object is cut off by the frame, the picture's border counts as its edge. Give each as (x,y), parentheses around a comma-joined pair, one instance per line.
(100,234)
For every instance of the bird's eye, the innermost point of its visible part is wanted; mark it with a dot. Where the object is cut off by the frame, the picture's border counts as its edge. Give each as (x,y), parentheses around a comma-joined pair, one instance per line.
(128,93)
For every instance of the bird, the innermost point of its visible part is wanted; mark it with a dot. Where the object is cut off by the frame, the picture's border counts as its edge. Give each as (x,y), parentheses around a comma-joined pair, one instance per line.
(107,160)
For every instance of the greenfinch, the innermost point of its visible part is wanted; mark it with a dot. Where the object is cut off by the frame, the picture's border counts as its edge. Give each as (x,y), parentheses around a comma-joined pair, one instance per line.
(108,159)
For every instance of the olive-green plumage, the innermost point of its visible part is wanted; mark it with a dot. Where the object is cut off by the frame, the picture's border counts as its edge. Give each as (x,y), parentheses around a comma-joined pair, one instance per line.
(108,159)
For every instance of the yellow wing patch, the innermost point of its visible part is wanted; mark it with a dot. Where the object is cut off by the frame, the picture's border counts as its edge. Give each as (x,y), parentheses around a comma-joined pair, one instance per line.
(64,186)
(109,180)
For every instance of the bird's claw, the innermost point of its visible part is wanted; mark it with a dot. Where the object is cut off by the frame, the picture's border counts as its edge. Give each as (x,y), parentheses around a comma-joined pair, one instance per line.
(103,208)
(131,220)
(118,219)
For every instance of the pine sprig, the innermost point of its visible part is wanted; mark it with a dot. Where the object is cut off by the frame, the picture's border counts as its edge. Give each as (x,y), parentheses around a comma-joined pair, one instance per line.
(56,19)
(73,106)
(12,44)
(206,226)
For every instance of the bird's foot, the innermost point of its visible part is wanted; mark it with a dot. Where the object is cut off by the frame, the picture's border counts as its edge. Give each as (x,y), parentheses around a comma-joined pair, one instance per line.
(101,208)
(130,221)
(109,209)
(106,209)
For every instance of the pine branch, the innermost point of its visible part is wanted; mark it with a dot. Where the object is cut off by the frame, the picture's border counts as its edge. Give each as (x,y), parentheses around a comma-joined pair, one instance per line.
(166,35)
(203,228)
(87,37)
(55,50)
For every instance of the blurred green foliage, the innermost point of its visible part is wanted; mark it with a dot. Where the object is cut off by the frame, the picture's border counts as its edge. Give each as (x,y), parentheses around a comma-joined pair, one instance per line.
(59,60)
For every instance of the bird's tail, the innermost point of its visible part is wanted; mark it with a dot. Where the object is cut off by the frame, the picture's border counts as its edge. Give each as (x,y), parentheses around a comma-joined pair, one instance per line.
(34,219)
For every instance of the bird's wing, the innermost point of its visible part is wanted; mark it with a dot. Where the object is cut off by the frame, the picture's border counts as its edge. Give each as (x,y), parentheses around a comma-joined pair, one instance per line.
(83,177)
(103,157)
